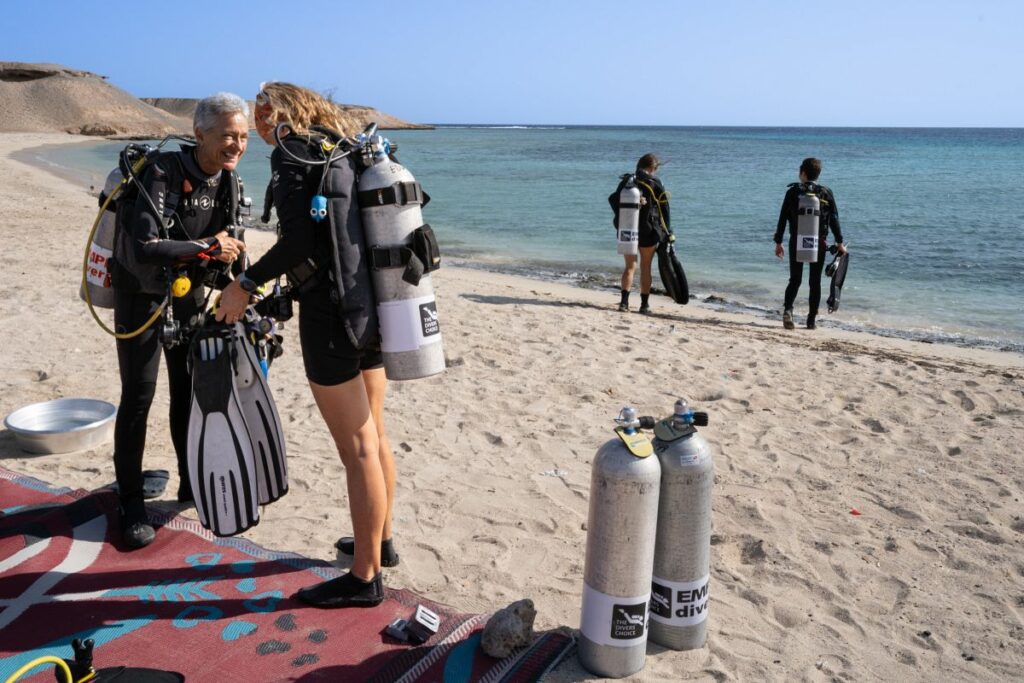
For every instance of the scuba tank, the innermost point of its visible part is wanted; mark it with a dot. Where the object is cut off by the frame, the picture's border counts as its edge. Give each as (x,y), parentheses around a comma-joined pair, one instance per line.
(629,218)
(808,215)
(101,248)
(624,491)
(679,587)
(402,252)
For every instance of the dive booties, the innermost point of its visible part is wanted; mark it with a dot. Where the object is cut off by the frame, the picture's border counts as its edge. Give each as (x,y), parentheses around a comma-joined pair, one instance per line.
(346,590)
(136,531)
(346,545)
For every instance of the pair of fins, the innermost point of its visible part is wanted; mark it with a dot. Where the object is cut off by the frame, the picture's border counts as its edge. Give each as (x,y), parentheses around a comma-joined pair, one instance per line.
(837,271)
(236,447)
(673,277)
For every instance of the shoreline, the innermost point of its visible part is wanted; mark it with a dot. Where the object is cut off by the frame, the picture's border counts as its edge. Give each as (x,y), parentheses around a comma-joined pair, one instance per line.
(600,279)
(494,459)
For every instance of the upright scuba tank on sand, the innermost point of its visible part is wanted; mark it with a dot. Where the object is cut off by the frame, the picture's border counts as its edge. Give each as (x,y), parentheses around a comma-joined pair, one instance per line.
(402,252)
(101,249)
(624,490)
(808,215)
(682,555)
(629,218)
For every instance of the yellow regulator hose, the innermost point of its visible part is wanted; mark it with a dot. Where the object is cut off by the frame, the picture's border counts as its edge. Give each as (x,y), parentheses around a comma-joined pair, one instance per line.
(48,659)
(85,269)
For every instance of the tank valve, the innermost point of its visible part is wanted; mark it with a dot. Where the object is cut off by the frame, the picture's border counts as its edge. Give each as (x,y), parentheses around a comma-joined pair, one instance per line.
(683,414)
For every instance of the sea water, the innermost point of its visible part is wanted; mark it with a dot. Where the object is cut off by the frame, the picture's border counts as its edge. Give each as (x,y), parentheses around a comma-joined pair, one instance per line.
(933,217)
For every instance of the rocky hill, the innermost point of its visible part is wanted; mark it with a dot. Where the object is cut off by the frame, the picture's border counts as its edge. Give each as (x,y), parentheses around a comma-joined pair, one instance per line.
(46,98)
(53,98)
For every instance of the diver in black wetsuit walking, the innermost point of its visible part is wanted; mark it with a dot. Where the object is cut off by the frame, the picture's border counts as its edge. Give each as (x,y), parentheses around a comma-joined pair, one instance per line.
(828,219)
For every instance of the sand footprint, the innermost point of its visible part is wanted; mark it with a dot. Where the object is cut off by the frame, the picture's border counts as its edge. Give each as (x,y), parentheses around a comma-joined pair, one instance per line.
(965,401)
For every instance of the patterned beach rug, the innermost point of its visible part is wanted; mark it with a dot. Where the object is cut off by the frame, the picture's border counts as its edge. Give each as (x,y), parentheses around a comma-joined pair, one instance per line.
(216,610)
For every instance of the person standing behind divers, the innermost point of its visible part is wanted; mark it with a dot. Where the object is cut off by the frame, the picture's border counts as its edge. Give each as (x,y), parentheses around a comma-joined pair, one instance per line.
(654,222)
(192,190)
(810,169)
(340,344)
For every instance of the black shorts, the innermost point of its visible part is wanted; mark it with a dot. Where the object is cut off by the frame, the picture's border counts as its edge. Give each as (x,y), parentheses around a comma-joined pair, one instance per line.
(649,238)
(327,352)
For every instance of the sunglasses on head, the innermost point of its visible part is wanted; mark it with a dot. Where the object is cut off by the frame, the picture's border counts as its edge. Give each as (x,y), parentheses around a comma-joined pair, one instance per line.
(262,98)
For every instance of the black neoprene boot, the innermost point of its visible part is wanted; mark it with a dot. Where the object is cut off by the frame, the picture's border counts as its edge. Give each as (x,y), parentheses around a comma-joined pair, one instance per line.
(347,590)
(136,530)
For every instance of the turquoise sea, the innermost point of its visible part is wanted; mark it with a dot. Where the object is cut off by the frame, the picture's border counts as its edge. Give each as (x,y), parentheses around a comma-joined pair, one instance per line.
(933,217)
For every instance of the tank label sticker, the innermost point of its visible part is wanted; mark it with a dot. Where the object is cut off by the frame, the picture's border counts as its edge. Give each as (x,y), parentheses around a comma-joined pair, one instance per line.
(612,620)
(679,603)
(428,319)
(97,272)
(408,324)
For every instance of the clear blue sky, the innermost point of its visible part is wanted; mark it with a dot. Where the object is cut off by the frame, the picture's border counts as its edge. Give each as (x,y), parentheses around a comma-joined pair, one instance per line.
(661,62)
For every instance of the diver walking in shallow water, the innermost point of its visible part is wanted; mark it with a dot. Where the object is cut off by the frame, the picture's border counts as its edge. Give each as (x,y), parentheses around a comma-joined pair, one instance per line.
(192,188)
(810,210)
(653,226)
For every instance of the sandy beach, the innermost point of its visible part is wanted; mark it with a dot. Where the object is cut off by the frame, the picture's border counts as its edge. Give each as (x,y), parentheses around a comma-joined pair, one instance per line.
(924,441)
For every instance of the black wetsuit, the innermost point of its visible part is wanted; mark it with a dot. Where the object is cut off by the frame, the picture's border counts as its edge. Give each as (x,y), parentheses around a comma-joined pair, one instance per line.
(338,341)
(655,219)
(828,220)
(198,205)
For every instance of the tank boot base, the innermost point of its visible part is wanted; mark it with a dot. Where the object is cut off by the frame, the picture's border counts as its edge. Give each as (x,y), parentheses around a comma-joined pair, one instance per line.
(346,545)
(344,591)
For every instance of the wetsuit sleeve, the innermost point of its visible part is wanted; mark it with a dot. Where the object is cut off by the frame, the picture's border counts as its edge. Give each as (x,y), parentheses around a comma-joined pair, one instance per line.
(784,214)
(834,219)
(292,195)
(146,229)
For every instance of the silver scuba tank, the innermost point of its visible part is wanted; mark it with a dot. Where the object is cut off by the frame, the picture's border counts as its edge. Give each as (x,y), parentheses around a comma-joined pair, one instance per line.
(624,490)
(682,555)
(808,215)
(97,270)
(629,219)
(390,201)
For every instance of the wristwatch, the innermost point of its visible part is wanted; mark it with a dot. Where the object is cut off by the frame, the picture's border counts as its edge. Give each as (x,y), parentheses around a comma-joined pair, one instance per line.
(247,284)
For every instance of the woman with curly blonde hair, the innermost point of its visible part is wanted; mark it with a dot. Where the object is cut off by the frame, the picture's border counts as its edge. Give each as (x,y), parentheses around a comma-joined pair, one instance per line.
(338,329)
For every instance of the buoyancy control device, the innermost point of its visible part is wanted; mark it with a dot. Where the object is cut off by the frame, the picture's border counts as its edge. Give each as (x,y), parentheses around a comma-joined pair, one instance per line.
(105,244)
(808,217)
(628,217)
(401,249)
(623,518)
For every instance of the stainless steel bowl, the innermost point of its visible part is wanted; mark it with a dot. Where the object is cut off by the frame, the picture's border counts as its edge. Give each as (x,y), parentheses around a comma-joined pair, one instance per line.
(62,425)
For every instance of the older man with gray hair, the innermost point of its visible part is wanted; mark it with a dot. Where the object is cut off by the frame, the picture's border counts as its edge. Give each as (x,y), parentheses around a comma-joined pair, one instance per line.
(177,226)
